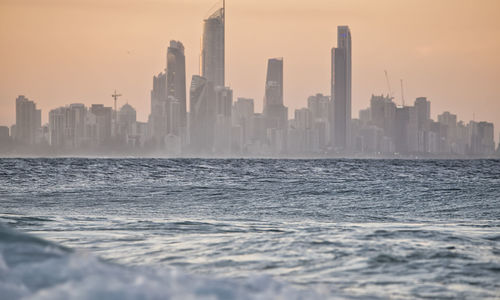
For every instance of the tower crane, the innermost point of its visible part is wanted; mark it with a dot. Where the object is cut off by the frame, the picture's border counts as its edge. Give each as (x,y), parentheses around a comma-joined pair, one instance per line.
(115,117)
(388,83)
(115,97)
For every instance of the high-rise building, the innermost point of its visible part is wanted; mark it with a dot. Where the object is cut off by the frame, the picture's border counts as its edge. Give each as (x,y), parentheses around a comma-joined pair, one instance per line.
(213,48)
(4,134)
(423,110)
(127,118)
(303,118)
(341,76)
(175,129)
(449,121)
(223,124)
(223,101)
(5,140)
(275,113)
(28,121)
(243,109)
(77,112)
(157,118)
(320,108)
(405,130)
(243,112)
(103,117)
(174,116)
(74,128)
(364,116)
(274,83)
(58,123)
(201,115)
(382,114)
(176,80)
(259,131)
(274,110)
(301,139)
(481,137)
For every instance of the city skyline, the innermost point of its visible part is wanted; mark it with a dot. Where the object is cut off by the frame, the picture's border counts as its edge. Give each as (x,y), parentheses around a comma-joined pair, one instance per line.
(221,127)
(368,74)
(218,126)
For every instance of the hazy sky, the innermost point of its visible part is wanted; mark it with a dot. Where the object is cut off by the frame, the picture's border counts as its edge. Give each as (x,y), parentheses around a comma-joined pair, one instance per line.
(58,52)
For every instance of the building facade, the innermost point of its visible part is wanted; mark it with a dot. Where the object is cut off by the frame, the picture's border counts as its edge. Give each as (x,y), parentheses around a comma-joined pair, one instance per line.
(28,121)
(213,48)
(341,86)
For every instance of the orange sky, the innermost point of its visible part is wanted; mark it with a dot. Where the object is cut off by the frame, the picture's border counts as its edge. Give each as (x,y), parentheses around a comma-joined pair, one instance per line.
(58,52)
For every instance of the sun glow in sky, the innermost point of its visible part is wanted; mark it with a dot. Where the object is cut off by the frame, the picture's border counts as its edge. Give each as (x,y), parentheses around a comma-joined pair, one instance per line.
(58,52)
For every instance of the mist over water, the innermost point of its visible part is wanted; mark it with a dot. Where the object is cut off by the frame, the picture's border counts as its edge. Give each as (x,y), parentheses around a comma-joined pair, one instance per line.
(251,229)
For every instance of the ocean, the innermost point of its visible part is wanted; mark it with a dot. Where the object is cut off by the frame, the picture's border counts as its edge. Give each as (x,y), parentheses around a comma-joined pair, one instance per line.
(78,228)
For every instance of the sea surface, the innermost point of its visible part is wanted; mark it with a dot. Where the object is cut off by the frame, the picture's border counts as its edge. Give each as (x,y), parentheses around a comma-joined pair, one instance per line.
(74,228)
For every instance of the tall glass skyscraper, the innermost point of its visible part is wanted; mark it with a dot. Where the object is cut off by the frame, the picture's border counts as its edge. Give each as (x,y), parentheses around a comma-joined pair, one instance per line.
(202,114)
(341,89)
(157,118)
(275,113)
(213,48)
(274,82)
(274,110)
(176,80)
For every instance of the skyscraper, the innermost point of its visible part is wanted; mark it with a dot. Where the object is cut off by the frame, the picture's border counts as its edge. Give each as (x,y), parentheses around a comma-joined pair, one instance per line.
(405,130)
(157,118)
(243,112)
(423,108)
(67,126)
(481,138)
(320,106)
(174,142)
(274,110)
(423,111)
(274,83)
(176,81)
(213,48)
(223,110)
(275,113)
(127,118)
(383,113)
(57,127)
(201,115)
(341,89)
(103,117)
(28,121)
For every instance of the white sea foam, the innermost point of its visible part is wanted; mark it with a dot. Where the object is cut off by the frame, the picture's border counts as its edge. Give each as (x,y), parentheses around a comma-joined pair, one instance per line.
(31,268)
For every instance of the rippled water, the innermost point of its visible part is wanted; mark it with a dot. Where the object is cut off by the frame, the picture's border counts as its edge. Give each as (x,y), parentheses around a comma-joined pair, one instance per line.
(252,228)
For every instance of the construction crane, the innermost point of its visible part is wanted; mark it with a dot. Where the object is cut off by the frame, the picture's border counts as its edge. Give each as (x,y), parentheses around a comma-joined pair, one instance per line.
(388,83)
(115,97)
(402,93)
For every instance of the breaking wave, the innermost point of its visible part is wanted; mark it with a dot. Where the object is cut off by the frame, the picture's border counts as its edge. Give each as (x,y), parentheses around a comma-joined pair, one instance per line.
(32,268)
